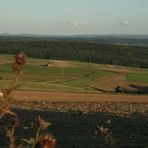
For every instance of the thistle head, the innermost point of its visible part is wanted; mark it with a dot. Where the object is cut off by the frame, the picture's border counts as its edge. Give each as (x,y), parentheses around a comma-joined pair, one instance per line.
(46,141)
(19,62)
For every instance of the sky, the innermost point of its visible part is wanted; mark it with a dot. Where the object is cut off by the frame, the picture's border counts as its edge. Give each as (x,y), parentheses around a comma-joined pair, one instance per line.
(71,17)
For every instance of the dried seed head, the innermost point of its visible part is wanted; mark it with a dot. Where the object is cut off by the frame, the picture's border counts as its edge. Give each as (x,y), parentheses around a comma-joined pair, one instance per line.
(46,142)
(15,122)
(20,60)
(40,123)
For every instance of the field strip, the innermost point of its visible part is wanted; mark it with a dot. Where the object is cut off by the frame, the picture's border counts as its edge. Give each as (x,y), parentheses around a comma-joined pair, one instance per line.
(66,86)
(49,84)
(70,97)
(107,81)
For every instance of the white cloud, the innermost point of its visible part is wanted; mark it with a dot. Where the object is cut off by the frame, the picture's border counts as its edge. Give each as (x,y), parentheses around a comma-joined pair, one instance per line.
(75,23)
(126,23)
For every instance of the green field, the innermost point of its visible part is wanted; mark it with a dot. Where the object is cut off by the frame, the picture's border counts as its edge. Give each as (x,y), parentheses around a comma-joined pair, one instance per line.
(75,124)
(77,77)
(44,78)
(138,77)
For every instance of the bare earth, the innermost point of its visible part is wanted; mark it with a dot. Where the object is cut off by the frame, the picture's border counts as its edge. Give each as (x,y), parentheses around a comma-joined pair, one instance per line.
(59,63)
(78,97)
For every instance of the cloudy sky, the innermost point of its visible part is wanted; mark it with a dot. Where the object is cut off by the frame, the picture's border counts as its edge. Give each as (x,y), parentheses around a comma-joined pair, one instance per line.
(66,17)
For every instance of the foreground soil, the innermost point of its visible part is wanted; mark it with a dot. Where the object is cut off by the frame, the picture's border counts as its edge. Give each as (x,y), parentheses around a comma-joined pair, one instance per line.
(55,96)
(124,109)
(76,118)
(74,124)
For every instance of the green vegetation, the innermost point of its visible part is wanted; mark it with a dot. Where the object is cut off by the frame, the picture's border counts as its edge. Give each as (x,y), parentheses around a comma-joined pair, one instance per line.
(136,56)
(76,77)
(74,124)
(6,57)
(5,68)
(88,79)
(137,77)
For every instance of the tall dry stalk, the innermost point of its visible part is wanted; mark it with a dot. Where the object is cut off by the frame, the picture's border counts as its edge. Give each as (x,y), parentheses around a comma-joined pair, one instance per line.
(39,141)
(8,98)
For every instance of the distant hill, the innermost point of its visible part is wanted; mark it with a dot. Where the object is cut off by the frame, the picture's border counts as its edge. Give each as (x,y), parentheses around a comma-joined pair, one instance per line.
(80,50)
(107,39)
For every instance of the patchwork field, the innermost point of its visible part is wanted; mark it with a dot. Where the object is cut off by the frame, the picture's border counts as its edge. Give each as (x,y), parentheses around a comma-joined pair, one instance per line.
(81,102)
(85,124)
(70,76)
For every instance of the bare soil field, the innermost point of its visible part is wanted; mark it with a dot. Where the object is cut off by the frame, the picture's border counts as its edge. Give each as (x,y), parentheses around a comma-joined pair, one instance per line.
(78,118)
(76,124)
(119,79)
(110,83)
(59,63)
(69,97)
(124,109)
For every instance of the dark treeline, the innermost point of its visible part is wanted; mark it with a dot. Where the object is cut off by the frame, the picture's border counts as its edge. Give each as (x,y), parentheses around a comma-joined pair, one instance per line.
(125,55)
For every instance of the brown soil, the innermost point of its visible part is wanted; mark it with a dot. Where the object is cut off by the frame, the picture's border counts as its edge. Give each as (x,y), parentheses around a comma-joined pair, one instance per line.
(58,63)
(2,62)
(77,97)
(110,83)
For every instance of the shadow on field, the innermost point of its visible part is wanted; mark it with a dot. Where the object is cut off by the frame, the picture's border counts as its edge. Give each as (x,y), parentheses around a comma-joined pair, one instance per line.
(142,89)
(77,130)
(100,90)
(134,89)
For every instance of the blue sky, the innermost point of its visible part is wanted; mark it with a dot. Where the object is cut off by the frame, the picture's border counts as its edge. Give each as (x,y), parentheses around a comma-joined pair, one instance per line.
(66,17)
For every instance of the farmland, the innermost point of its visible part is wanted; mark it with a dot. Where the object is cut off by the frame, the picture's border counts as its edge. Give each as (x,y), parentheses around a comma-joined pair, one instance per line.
(76,124)
(70,76)
(73,74)
(79,100)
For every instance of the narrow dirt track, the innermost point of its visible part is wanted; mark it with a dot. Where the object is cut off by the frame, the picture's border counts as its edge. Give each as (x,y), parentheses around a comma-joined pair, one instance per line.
(78,97)
(111,81)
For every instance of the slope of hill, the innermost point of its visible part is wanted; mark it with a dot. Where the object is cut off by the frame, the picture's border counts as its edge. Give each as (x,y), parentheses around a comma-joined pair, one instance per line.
(107,39)
(125,55)
(72,76)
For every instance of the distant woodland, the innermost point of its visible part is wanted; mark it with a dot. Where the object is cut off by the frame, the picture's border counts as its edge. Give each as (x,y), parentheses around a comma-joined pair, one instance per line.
(126,55)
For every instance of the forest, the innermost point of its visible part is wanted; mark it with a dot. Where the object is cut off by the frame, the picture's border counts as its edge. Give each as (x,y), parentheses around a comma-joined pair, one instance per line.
(125,55)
